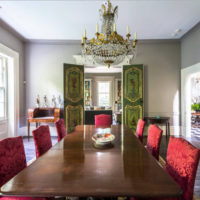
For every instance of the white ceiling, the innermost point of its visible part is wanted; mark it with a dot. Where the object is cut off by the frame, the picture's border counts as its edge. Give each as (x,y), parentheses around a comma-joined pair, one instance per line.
(66,20)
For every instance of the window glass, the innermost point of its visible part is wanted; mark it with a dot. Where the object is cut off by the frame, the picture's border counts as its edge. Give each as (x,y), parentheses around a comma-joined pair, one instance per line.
(3,83)
(104,93)
(2,110)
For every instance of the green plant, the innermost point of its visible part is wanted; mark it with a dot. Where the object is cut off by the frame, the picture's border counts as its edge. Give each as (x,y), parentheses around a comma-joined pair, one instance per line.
(195,107)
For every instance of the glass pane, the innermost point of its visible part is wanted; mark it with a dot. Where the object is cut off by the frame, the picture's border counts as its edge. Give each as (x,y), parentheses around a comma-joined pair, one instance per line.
(1,73)
(2,110)
(2,95)
(104,87)
(101,86)
(107,87)
(104,100)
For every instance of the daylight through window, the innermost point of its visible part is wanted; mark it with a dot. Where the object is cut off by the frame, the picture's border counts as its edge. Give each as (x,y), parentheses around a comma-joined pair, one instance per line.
(104,93)
(3,87)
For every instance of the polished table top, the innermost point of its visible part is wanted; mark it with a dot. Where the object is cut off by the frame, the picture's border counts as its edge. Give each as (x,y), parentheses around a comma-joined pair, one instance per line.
(73,167)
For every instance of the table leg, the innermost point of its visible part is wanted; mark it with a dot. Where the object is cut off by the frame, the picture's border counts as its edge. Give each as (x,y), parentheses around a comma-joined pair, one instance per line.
(169,129)
(36,124)
(28,126)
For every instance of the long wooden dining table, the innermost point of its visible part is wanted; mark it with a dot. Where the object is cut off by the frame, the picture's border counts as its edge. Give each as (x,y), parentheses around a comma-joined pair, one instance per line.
(75,167)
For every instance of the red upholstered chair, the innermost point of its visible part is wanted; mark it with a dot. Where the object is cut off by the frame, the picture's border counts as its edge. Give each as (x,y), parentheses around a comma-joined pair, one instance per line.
(60,127)
(140,129)
(12,161)
(103,120)
(181,164)
(153,140)
(42,139)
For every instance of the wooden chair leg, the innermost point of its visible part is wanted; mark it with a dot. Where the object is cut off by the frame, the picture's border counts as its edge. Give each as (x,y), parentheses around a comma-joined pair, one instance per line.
(28,126)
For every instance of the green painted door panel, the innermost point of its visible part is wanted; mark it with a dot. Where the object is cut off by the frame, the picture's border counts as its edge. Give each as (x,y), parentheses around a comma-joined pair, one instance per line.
(73,95)
(132,95)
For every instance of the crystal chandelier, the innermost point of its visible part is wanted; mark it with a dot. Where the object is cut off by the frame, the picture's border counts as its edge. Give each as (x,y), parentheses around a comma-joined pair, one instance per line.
(108,47)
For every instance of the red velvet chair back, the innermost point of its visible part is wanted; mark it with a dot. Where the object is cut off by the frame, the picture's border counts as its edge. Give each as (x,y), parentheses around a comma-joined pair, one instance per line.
(60,127)
(153,140)
(140,129)
(12,158)
(181,163)
(103,120)
(42,140)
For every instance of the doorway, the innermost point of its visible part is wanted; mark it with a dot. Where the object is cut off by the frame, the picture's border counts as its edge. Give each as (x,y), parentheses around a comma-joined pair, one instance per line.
(190,97)
(75,109)
(102,92)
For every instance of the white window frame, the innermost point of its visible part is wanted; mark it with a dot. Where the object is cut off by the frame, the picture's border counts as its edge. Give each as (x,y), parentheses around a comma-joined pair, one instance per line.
(109,92)
(10,126)
(5,63)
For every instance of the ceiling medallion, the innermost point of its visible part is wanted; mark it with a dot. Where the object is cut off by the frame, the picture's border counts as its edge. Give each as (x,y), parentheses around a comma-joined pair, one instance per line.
(108,47)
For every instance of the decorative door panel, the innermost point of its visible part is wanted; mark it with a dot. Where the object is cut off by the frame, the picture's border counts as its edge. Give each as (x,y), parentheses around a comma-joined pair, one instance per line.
(73,95)
(132,95)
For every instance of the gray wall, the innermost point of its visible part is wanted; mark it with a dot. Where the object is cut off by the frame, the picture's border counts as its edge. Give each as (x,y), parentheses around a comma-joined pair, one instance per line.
(44,73)
(190,47)
(44,69)
(161,62)
(14,42)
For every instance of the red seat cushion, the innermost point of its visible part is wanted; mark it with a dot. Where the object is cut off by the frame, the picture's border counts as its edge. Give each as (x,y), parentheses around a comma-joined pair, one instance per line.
(102,119)
(42,140)
(140,129)
(60,127)
(12,158)
(153,140)
(181,163)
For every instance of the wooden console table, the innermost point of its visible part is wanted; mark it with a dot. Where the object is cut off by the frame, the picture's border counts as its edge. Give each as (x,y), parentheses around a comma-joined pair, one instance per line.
(42,115)
(160,120)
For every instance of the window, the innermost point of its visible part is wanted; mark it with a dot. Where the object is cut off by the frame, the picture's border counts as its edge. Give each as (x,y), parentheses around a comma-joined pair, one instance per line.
(104,93)
(3,87)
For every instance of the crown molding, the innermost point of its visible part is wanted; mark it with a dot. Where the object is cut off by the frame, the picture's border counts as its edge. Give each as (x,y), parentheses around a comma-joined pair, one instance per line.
(78,42)
(196,27)
(11,30)
(55,42)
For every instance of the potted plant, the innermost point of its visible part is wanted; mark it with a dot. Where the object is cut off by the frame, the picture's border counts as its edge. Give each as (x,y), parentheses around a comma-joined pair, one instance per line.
(195,107)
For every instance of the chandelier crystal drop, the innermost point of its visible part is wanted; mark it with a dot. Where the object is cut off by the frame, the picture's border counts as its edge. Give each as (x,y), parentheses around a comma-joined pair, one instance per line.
(108,47)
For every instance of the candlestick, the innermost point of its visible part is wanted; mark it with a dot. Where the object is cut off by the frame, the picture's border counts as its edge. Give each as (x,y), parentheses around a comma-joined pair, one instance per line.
(114,27)
(97,28)
(135,35)
(84,33)
(128,29)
